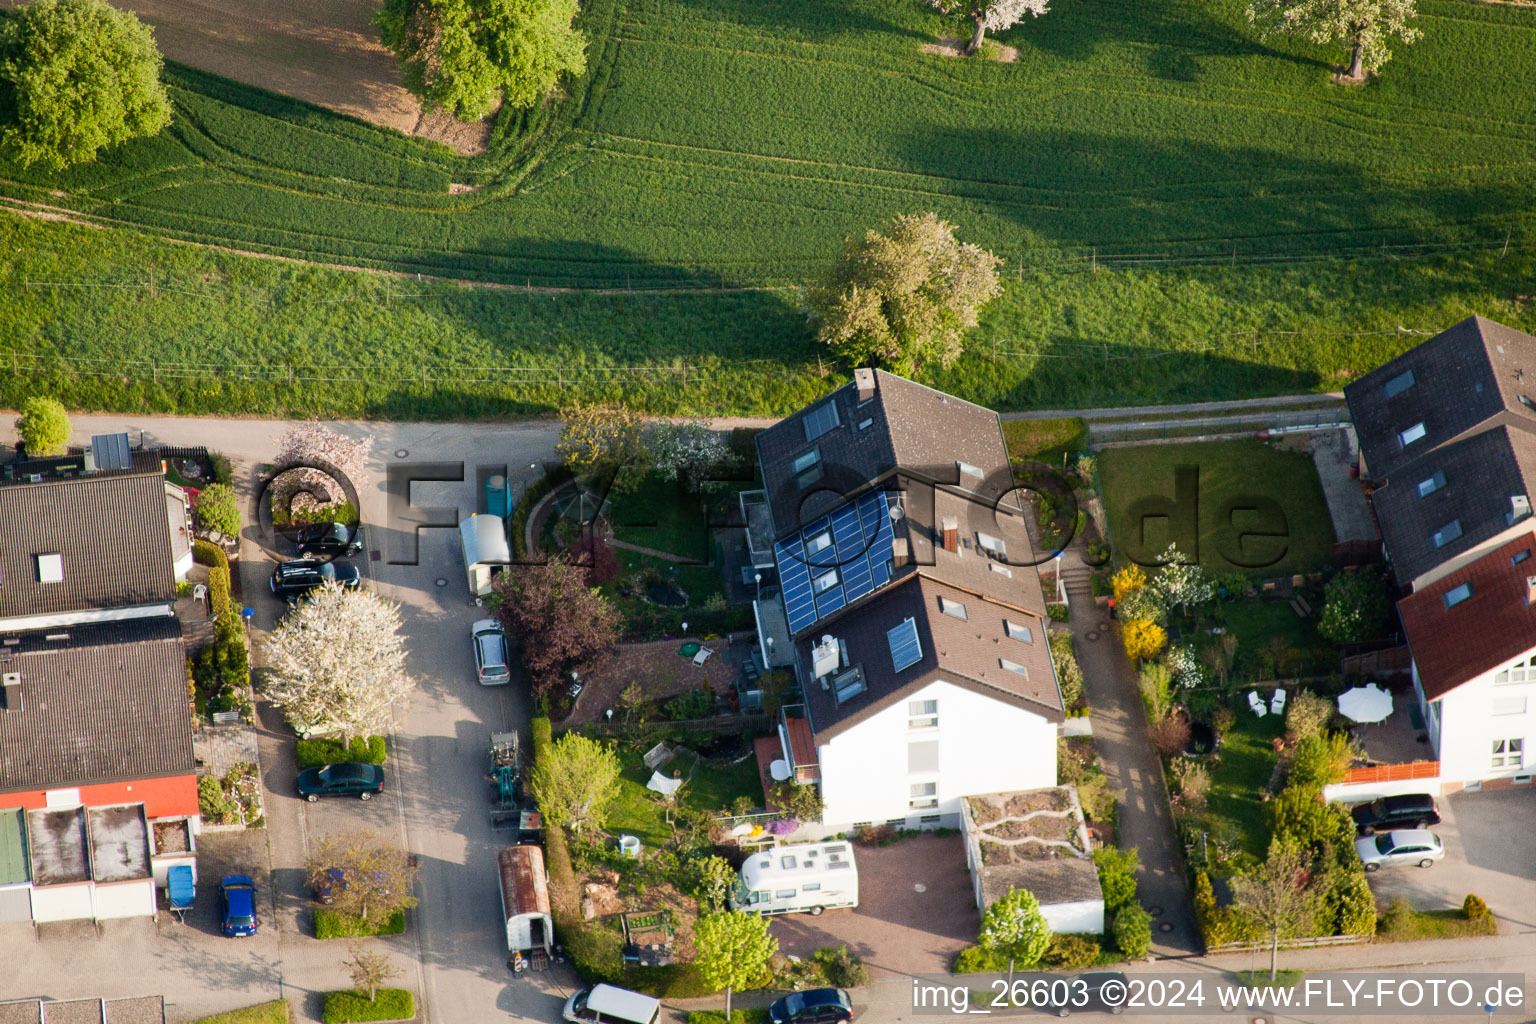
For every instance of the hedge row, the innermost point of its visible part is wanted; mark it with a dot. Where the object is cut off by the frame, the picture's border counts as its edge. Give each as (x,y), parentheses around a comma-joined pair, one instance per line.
(389,1004)
(220,604)
(360,749)
(332,925)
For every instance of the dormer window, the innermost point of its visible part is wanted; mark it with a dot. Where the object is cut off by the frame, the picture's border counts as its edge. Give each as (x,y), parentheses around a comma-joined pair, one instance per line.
(1397,385)
(1411,435)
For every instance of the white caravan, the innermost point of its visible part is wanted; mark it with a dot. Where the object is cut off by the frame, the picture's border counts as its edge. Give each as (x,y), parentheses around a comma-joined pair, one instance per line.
(805,877)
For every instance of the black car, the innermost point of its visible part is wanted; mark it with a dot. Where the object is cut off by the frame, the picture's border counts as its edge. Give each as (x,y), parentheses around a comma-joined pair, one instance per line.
(1384,814)
(351,779)
(1094,992)
(817,1006)
(323,540)
(296,578)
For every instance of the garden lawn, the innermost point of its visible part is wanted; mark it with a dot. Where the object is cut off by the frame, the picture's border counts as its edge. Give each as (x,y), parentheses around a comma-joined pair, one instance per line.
(1246,761)
(644,620)
(638,811)
(1257,622)
(1045,440)
(1230,473)
(664,515)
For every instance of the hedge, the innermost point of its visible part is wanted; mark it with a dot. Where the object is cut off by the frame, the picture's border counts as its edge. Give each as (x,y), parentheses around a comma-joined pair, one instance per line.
(316,752)
(390,1004)
(752,1016)
(275,1012)
(331,925)
(220,604)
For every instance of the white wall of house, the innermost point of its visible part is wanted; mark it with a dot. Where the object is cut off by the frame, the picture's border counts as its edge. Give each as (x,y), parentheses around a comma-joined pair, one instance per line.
(980,745)
(1478,714)
(134,898)
(1085,917)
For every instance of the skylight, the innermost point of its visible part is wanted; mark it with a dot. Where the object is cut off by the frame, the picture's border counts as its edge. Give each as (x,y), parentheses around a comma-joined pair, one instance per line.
(1433,484)
(1019,632)
(1456,595)
(1411,435)
(906,649)
(807,467)
(1014,667)
(820,420)
(1397,385)
(954,608)
(1447,533)
(50,568)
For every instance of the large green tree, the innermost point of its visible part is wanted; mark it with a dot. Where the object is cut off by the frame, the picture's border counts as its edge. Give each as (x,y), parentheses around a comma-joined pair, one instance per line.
(574,782)
(733,951)
(1365,26)
(76,76)
(905,296)
(1014,927)
(43,426)
(467,56)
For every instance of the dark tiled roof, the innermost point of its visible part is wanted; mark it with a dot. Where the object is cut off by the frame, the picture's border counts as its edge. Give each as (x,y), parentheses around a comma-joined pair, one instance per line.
(108,703)
(910,427)
(1482,473)
(1494,625)
(963,652)
(1462,377)
(110,530)
(969,568)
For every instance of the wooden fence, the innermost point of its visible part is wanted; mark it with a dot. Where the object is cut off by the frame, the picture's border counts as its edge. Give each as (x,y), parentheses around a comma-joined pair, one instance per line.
(1305,942)
(1393,772)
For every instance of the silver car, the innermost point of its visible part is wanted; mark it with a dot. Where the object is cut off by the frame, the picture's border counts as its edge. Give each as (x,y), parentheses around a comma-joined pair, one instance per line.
(491,653)
(1408,846)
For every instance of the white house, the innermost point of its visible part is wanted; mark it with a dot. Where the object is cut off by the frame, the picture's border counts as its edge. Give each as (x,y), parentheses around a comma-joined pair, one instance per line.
(906,589)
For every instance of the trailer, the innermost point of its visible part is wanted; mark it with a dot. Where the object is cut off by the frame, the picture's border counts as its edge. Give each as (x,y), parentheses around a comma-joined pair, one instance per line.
(525,905)
(809,877)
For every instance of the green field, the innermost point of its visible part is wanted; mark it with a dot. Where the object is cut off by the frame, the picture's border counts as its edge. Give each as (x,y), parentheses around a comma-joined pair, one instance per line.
(114,320)
(715,141)
(1229,474)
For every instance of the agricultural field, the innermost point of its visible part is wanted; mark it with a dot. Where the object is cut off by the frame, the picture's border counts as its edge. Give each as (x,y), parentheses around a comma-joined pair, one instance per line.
(718,143)
(115,320)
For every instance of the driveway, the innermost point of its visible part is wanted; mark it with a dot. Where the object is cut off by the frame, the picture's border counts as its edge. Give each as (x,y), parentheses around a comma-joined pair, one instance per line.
(1487,852)
(916,910)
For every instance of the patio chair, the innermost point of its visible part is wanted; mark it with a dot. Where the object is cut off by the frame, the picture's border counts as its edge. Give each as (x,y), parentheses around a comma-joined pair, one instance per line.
(200,593)
(702,656)
(1277,703)
(1257,704)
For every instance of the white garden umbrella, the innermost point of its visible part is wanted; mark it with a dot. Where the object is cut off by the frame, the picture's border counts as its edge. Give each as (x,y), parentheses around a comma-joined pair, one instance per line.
(1365,703)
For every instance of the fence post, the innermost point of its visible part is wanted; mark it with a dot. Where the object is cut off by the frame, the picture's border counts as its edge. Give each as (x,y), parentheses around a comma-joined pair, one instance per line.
(1507,232)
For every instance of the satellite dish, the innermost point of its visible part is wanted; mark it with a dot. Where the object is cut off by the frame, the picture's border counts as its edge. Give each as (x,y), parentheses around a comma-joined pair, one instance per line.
(895,512)
(779,770)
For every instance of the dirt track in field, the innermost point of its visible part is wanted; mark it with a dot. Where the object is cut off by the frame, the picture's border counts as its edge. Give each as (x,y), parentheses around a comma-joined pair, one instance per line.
(326,52)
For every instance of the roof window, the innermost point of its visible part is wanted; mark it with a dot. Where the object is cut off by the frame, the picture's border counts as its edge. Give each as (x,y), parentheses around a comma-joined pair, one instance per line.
(1019,632)
(1433,484)
(1456,595)
(50,568)
(807,468)
(949,607)
(1412,434)
(1397,385)
(969,470)
(1014,667)
(820,420)
(1447,533)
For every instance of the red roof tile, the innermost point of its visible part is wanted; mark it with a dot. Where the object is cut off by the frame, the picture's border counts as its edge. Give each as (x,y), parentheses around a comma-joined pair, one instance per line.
(1495,624)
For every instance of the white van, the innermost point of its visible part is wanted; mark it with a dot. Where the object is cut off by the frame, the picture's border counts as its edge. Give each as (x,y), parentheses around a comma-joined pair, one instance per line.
(806,877)
(605,1004)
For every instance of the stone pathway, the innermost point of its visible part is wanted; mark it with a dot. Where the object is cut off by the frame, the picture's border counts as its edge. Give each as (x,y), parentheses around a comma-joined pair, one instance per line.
(1333,452)
(218,748)
(1125,748)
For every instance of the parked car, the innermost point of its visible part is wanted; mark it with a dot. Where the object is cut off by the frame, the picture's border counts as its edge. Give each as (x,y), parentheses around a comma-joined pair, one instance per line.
(1407,846)
(1412,810)
(324,540)
(490,653)
(815,1006)
(292,580)
(238,894)
(350,779)
(1085,994)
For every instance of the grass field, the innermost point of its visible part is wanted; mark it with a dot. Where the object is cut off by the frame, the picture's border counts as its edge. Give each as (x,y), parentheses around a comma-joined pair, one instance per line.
(113,320)
(1229,473)
(714,141)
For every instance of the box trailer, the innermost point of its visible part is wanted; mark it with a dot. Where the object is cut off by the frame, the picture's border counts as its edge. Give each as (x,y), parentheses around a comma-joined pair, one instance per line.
(808,877)
(525,904)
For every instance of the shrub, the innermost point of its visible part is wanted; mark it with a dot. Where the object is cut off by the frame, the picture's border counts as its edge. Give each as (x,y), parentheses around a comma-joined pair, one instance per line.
(1398,915)
(975,960)
(843,968)
(1143,639)
(801,802)
(212,803)
(1133,931)
(1058,612)
(316,752)
(210,554)
(693,704)
(223,470)
(594,950)
(1171,735)
(1070,952)
(874,835)
(738,1016)
(389,1004)
(331,925)
(1306,715)
(1117,875)
(43,426)
(1128,579)
(1299,813)
(1068,673)
(1321,760)
(1192,782)
(1355,606)
(217,510)
(1156,685)
(1473,908)
(1351,904)
(1142,603)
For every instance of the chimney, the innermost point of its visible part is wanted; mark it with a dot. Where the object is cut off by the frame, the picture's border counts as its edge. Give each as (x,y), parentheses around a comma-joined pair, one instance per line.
(12,687)
(949,527)
(1519,507)
(825,656)
(864,380)
(899,554)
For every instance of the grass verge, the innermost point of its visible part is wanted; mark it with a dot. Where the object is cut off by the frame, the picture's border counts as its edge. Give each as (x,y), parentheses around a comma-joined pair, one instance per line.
(331,925)
(738,1016)
(1433,924)
(275,1012)
(1261,979)
(350,1007)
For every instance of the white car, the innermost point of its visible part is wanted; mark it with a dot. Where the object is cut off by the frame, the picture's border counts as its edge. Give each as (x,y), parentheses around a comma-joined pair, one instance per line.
(1408,846)
(491,653)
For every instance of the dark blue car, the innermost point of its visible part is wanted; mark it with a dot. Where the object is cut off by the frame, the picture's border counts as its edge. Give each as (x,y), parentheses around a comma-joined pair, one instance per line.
(239,895)
(818,1006)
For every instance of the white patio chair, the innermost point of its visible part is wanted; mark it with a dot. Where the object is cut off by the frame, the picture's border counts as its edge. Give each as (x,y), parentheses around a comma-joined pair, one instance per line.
(1257,704)
(1277,703)
(200,593)
(702,656)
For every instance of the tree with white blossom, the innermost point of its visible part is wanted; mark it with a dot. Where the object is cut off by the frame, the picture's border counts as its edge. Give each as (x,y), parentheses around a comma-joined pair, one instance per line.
(1180,581)
(1365,26)
(991,15)
(338,661)
(299,487)
(686,451)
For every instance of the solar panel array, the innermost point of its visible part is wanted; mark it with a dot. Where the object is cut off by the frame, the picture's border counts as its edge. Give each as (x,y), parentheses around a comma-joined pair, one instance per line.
(857,559)
(906,649)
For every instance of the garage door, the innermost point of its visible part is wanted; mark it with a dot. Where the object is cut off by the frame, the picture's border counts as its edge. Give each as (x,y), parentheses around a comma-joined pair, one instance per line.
(61,902)
(16,903)
(125,899)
